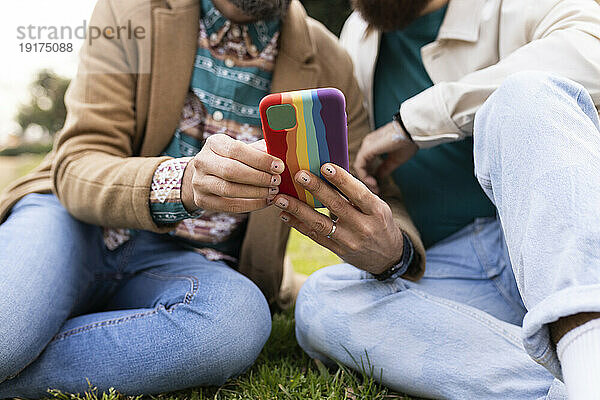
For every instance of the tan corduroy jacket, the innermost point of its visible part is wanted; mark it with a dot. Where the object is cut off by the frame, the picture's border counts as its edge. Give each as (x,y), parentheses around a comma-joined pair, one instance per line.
(118,122)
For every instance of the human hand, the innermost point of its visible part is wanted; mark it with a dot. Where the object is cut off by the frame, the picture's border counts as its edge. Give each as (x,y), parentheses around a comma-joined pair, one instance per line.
(230,176)
(390,139)
(365,233)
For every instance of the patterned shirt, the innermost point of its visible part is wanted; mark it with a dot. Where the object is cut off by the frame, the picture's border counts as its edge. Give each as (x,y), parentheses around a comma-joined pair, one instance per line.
(232,73)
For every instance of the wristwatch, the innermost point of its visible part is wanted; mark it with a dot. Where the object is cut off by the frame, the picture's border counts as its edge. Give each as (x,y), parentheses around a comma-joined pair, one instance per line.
(399,269)
(405,133)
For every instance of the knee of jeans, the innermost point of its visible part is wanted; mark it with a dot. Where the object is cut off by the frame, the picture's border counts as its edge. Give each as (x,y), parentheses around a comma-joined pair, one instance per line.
(47,201)
(239,326)
(535,89)
(16,350)
(47,211)
(528,93)
(320,299)
(506,119)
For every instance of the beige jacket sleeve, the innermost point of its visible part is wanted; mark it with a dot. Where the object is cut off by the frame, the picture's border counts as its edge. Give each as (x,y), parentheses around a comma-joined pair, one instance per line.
(562,37)
(95,174)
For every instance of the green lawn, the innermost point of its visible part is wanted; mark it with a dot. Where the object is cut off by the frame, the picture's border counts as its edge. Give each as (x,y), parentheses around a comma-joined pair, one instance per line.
(282,371)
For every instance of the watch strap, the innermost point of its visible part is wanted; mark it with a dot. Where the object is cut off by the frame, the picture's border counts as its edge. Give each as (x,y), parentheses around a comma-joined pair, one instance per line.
(398,118)
(399,269)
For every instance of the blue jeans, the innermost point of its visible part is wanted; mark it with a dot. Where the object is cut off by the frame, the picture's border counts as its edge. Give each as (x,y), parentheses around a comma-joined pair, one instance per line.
(473,326)
(147,317)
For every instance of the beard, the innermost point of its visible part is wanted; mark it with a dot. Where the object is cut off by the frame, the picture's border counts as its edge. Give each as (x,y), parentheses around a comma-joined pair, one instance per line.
(263,9)
(390,15)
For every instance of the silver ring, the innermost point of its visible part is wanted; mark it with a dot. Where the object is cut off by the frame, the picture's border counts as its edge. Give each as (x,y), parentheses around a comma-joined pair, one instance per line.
(334,219)
(333,229)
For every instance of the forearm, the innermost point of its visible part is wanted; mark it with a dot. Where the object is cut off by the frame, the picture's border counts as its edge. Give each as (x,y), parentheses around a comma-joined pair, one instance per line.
(106,190)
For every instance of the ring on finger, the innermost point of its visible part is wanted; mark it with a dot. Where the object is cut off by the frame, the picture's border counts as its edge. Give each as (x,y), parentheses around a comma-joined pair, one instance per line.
(333,229)
(333,217)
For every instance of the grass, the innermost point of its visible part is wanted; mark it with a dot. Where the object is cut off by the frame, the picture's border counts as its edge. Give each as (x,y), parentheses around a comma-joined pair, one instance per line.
(306,256)
(283,370)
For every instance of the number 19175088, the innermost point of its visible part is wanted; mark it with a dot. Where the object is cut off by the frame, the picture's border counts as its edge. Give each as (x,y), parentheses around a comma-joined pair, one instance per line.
(45,47)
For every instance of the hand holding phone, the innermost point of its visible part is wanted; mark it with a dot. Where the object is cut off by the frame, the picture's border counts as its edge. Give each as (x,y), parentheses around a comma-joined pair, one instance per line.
(305,129)
(228,175)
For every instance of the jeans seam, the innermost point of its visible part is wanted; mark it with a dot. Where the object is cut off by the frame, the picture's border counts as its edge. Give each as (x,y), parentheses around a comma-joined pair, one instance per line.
(544,356)
(578,97)
(100,324)
(482,255)
(514,305)
(485,182)
(189,295)
(111,322)
(489,323)
(486,264)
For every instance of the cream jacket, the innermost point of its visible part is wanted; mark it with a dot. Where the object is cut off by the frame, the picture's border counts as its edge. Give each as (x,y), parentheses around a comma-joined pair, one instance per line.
(480,43)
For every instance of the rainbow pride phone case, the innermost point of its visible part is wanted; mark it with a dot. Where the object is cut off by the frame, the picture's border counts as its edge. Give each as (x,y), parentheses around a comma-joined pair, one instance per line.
(305,129)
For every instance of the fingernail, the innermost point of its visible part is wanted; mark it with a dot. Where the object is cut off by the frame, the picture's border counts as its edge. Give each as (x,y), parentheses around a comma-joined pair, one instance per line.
(328,170)
(284,218)
(277,166)
(282,203)
(273,190)
(275,180)
(303,177)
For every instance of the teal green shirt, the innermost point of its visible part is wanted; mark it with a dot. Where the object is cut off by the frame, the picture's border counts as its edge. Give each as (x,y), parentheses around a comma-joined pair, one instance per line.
(438,185)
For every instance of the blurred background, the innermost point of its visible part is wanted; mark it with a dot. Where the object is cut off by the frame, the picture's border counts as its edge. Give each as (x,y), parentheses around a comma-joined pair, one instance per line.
(33,85)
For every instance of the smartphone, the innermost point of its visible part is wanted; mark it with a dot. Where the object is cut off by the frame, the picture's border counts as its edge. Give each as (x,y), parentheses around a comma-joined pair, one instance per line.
(305,129)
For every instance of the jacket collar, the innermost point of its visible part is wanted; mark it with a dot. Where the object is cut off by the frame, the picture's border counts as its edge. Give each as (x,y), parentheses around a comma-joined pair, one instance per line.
(462,21)
(295,67)
(174,47)
(296,42)
(261,32)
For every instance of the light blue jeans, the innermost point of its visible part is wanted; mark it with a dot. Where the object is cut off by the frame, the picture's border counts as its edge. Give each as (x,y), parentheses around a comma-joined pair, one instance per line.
(473,326)
(147,317)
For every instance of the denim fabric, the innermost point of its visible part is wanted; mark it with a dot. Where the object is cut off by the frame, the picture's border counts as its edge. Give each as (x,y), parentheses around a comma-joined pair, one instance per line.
(537,156)
(453,335)
(465,330)
(147,317)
